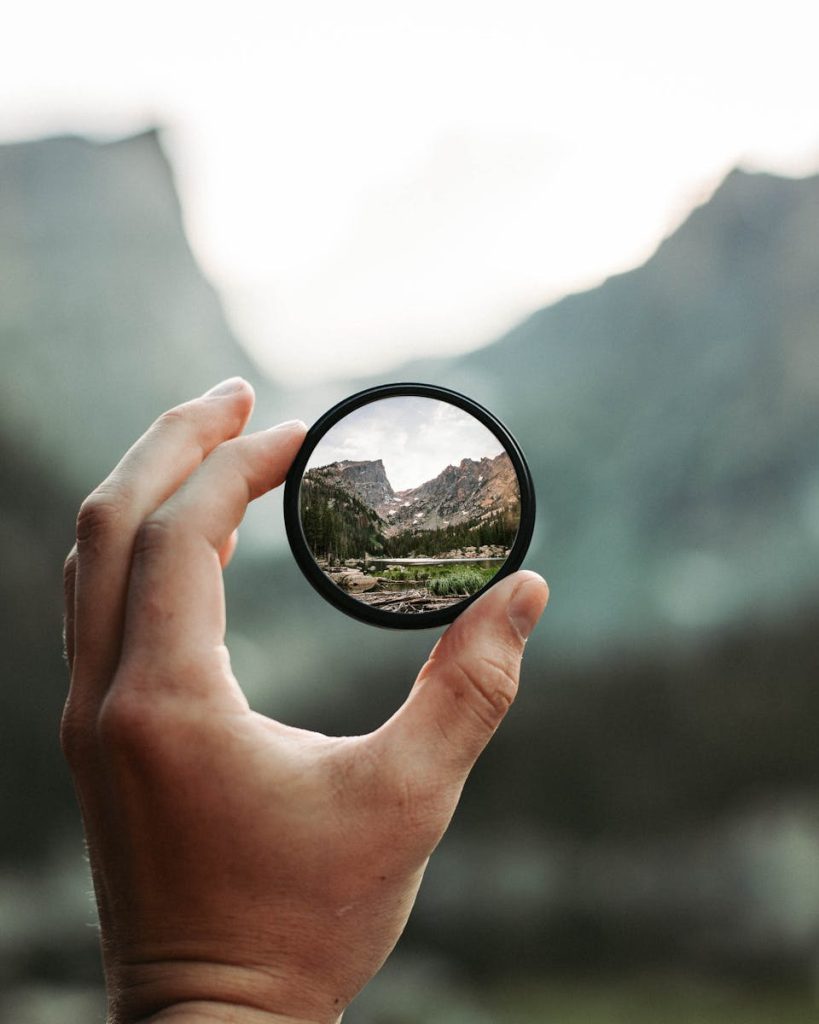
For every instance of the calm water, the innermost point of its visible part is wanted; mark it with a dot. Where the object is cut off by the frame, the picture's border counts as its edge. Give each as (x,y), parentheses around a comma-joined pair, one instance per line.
(482,563)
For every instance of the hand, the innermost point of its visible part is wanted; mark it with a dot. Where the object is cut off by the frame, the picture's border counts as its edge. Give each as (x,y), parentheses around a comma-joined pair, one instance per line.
(245,870)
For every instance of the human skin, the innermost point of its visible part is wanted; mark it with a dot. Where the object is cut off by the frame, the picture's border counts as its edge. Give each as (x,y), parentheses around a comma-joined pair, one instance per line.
(246,871)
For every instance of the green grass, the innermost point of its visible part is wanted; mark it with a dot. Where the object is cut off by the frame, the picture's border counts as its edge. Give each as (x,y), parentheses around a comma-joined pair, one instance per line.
(459,580)
(442,580)
(408,573)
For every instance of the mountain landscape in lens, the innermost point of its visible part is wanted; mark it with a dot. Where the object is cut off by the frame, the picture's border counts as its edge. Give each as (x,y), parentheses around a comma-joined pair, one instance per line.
(413,550)
(650,806)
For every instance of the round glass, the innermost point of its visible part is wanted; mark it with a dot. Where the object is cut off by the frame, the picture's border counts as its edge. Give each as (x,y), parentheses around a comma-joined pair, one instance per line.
(406,502)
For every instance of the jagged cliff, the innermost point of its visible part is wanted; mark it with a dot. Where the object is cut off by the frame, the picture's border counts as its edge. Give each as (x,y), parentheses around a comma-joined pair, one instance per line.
(464,495)
(469,493)
(366,479)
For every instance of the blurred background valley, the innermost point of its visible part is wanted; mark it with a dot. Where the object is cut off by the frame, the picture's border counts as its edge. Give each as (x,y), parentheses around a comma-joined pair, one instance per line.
(641,840)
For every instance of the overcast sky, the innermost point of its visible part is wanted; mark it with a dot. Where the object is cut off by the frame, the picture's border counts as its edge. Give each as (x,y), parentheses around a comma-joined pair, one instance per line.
(369,181)
(416,438)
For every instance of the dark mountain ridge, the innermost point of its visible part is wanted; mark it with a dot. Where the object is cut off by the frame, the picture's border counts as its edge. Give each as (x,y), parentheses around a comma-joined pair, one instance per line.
(670,419)
(470,493)
(105,318)
(105,321)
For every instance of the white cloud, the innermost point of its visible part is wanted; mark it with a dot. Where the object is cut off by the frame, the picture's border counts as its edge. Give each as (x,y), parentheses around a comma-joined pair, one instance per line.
(416,438)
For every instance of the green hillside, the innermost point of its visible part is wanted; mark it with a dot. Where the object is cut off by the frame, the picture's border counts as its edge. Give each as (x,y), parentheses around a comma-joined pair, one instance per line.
(336,524)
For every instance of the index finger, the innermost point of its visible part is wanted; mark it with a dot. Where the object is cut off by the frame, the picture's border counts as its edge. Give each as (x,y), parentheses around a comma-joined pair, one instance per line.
(175,612)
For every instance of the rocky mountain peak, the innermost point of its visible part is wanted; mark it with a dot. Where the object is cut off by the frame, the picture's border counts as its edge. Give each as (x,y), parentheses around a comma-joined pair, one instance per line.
(366,479)
(466,494)
(471,492)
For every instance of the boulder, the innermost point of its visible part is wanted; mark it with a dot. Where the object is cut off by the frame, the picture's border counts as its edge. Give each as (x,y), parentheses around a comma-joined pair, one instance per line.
(356,581)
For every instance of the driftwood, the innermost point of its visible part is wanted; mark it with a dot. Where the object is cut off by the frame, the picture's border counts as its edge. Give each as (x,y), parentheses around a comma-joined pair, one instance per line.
(408,601)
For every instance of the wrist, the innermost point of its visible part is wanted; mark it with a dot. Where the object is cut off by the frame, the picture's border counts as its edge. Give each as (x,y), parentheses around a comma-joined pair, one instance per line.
(195,992)
(208,1012)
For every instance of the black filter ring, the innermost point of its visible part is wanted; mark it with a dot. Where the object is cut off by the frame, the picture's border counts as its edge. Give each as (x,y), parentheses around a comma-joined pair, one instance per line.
(303,555)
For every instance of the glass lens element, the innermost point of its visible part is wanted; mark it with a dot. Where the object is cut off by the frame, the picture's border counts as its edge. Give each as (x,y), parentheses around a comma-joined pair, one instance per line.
(409,504)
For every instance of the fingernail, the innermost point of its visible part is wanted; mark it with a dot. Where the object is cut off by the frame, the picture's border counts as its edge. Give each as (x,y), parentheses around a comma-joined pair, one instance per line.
(527,604)
(227,387)
(289,425)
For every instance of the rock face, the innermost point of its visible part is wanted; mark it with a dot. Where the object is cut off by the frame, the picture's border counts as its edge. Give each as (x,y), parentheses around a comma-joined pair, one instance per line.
(367,480)
(467,494)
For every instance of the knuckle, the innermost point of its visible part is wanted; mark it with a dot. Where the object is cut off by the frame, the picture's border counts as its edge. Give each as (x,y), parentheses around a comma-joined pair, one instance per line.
(404,801)
(70,570)
(488,688)
(152,537)
(184,420)
(418,811)
(418,805)
(173,418)
(97,518)
(76,741)
(125,723)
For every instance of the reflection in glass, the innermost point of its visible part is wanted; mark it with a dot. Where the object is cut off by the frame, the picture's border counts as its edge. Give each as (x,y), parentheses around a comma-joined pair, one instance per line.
(410,504)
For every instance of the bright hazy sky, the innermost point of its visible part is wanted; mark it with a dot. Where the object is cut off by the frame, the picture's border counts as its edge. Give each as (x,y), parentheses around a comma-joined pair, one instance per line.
(416,438)
(369,181)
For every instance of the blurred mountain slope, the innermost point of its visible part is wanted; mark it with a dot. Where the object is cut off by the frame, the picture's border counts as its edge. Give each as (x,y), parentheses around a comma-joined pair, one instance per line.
(671,419)
(105,318)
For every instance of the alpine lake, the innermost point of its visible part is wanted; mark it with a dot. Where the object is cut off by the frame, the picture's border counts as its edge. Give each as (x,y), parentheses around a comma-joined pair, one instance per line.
(420,583)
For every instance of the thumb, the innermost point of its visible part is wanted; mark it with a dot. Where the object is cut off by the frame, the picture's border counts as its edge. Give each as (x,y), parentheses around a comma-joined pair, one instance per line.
(469,681)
